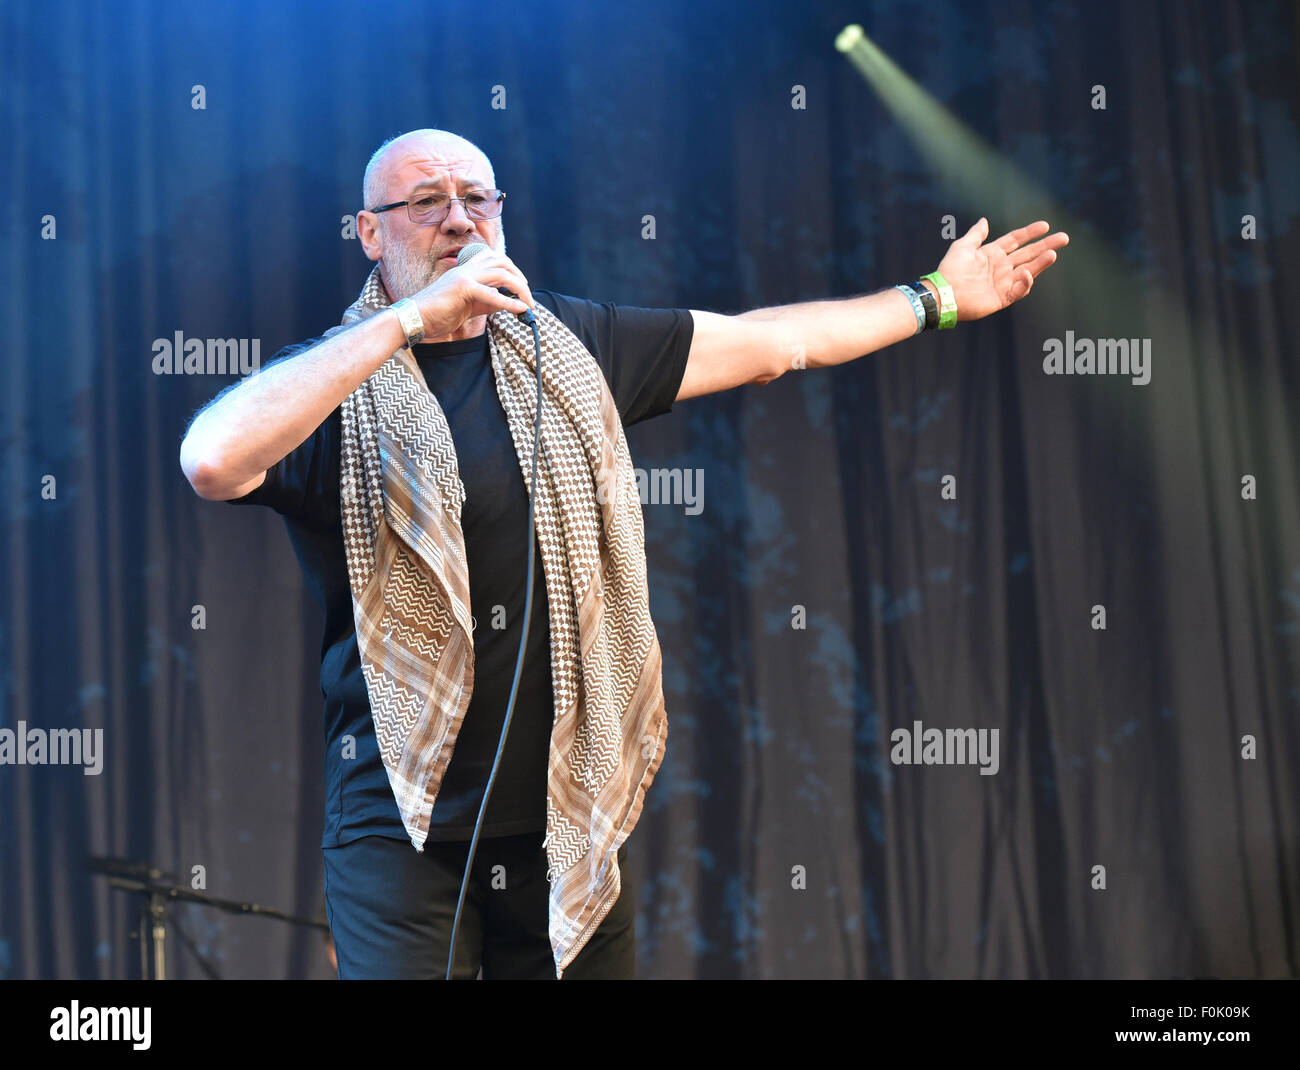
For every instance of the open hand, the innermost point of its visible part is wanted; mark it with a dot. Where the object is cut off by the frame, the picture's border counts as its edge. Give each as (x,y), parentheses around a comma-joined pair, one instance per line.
(987,278)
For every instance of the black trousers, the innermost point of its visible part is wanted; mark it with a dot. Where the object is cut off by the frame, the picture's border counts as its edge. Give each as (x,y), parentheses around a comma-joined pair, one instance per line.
(390,909)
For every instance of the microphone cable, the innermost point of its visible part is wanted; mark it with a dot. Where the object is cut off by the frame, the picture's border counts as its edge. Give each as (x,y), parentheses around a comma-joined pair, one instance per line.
(530,319)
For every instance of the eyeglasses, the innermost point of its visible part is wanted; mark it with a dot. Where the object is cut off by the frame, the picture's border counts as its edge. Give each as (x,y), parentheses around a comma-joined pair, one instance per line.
(430,208)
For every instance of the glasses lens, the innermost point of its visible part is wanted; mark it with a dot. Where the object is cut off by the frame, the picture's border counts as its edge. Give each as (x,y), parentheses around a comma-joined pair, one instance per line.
(483,203)
(427,207)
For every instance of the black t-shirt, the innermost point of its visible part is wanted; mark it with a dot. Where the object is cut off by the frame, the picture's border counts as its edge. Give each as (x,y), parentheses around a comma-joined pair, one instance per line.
(642,353)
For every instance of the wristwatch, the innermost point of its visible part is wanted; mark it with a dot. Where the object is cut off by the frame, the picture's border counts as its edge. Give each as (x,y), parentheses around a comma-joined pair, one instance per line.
(408,315)
(929,302)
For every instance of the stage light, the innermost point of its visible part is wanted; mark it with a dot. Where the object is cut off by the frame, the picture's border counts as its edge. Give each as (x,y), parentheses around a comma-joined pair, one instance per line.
(848,37)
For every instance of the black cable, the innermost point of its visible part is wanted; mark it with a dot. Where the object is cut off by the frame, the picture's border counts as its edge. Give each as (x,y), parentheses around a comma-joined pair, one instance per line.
(523,641)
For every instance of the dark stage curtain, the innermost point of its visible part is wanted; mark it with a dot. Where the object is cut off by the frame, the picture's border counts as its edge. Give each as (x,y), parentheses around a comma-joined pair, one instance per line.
(827,594)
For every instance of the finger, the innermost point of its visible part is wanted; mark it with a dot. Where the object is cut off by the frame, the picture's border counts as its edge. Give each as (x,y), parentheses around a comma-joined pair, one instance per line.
(1039,264)
(1029,252)
(511,280)
(977,233)
(1023,284)
(494,298)
(500,275)
(498,261)
(1013,239)
(522,289)
(512,267)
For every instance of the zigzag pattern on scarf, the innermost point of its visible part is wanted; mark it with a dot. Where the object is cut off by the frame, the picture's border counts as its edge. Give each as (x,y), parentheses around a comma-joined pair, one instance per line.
(566,844)
(401,708)
(412,614)
(416,421)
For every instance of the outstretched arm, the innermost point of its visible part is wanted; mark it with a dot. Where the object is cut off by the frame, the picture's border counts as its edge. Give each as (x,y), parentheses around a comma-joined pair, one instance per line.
(759,346)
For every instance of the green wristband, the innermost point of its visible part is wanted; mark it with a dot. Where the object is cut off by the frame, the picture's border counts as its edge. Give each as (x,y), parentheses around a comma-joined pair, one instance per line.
(947,303)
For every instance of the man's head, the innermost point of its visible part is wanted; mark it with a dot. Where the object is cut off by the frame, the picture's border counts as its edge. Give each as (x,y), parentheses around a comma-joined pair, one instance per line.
(412,255)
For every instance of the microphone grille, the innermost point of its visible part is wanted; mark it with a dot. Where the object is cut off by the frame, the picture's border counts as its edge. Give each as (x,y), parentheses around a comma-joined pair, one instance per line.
(469,252)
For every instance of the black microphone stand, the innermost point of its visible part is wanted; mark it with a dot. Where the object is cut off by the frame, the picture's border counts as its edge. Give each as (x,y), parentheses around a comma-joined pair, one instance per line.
(157,889)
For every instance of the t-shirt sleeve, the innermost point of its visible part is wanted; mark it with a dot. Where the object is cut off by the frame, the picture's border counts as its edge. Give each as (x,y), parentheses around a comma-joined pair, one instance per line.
(641,351)
(300,484)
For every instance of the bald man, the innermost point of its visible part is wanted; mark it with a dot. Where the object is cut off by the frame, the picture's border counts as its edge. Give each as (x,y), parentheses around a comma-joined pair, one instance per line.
(274,439)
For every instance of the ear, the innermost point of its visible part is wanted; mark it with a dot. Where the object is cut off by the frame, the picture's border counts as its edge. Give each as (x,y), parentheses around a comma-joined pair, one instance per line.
(369,234)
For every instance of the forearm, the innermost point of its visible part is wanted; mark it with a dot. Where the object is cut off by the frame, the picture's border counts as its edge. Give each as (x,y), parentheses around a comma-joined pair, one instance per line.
(246,431)
(821,334)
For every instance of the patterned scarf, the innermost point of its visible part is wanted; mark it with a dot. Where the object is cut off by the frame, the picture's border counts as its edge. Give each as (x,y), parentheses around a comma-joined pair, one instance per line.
(401,498)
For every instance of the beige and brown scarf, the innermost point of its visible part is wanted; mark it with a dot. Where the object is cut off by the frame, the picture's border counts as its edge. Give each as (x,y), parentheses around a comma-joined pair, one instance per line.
(401,498)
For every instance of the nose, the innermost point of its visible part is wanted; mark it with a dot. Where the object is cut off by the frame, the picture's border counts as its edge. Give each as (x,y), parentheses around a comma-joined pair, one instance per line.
(458,220)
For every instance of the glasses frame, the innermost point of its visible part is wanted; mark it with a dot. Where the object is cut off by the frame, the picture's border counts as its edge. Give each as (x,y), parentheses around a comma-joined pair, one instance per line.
(501,200)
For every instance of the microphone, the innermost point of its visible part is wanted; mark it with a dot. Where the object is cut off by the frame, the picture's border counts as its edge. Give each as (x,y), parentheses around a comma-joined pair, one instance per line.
(468,253)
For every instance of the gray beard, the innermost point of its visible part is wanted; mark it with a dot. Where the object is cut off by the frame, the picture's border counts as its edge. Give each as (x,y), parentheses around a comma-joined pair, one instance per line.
(405,273)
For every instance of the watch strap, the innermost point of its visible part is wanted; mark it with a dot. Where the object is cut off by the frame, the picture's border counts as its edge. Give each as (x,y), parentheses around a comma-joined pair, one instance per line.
(929,302)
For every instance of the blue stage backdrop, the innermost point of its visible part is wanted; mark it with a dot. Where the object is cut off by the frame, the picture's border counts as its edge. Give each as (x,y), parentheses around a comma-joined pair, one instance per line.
(1103,569)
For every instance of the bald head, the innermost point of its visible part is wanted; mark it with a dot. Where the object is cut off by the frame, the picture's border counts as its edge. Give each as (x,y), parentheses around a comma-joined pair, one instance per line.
(436,147)
(413,255)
